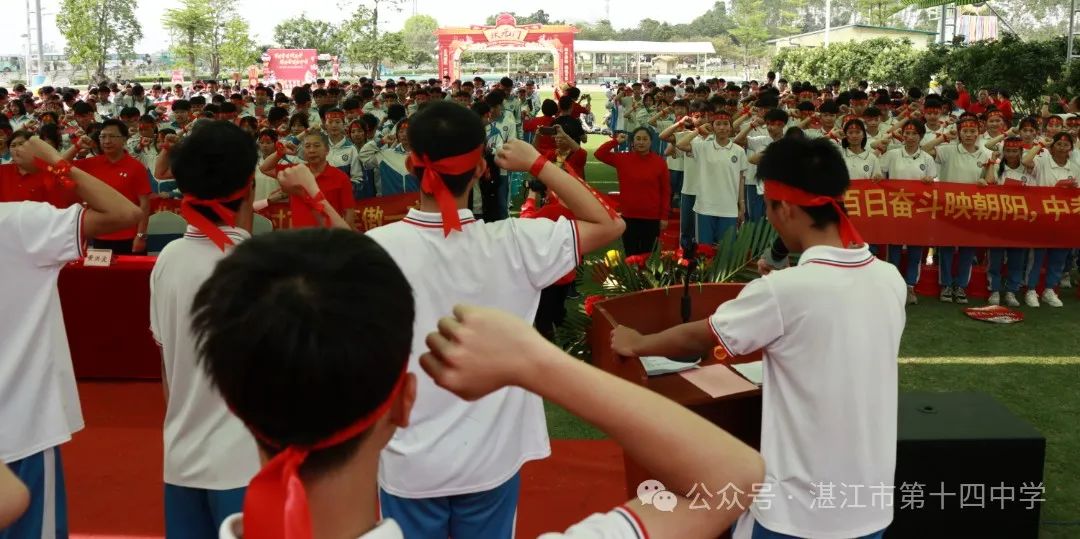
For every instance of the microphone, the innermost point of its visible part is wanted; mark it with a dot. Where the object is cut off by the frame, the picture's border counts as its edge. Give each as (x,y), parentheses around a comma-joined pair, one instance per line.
(690,254)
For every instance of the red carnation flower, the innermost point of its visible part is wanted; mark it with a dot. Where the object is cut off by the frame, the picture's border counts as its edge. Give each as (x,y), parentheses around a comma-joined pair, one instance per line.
(637,260)
(590,301)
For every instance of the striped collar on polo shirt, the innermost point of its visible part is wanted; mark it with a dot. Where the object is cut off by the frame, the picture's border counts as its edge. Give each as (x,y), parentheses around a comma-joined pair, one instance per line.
(837,257)
(434,220)
(234,233)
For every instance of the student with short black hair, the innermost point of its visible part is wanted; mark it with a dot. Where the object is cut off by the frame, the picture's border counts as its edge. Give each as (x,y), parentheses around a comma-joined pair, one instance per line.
(319,434)
(457,456)
(209,456)
(821,359)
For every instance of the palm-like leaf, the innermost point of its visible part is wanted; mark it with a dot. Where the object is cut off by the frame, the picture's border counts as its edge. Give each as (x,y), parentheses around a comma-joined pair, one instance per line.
(736,254)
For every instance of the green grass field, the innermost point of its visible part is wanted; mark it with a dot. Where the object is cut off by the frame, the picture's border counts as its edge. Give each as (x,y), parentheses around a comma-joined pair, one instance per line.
(1032,367)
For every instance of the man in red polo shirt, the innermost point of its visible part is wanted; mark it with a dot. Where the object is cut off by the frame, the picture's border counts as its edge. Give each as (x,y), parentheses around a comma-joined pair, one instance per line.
(334,184)
(128,176)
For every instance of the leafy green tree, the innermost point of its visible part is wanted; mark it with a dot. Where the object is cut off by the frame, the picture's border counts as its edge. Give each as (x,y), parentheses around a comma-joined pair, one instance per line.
(95,28)
(206,30)
(598,31)
(750,31)
(188,25)
(420,39)
(238,49)
(362,43)
(304,33)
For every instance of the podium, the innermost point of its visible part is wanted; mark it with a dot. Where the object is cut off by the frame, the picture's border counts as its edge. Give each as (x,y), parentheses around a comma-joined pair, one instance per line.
(650,311)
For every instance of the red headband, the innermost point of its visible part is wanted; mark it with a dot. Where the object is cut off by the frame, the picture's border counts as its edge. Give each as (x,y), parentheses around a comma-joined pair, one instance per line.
(1014,144)
(775,190)
(200,222)
(335,115)
(995,114)
(276,505)
(433,183)
(965,124)
(1053,120)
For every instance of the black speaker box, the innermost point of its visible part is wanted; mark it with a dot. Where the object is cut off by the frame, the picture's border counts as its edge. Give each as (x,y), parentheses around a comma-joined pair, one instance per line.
(965,467)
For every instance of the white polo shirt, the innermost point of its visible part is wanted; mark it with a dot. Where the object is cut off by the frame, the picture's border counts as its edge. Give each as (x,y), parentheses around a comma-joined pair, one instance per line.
(961,166)
(1016,176)
(898,164)
(692,168)
(619,523)
(1048,172)
(829,395)
(860,166)
(451,446)
(39,402)
(755,145)
(206,446)
(719,169)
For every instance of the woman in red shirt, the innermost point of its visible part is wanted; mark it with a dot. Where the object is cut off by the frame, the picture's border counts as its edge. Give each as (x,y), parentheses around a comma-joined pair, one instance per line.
(644,189)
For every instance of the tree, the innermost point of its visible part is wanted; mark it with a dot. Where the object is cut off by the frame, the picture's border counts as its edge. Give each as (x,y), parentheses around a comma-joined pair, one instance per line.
(749,31)
(205,30)
(878,12)
(420,40)
(536,17)
(304,33)
(599,31)
(188,26)
(361,42)
(94,28)
(238,49)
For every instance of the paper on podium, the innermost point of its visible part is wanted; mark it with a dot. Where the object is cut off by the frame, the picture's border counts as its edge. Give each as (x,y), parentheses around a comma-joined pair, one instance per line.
(657,365)
(751,371)
(718,380)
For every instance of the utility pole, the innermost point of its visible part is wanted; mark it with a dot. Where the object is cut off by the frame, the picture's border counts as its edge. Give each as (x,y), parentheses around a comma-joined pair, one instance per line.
(29,46)
(40,41)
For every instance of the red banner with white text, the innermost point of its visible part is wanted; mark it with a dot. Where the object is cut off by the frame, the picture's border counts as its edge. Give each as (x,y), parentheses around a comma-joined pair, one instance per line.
(291,67)
(909,212)
(370,212)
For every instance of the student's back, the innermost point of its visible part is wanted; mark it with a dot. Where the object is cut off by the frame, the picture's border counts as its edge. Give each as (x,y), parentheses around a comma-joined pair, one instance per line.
(504,265)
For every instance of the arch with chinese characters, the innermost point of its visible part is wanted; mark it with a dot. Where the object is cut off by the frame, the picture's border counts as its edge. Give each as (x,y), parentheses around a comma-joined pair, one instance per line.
(508,36)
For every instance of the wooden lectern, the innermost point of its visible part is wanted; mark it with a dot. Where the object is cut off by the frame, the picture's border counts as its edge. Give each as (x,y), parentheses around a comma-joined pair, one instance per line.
(651,311)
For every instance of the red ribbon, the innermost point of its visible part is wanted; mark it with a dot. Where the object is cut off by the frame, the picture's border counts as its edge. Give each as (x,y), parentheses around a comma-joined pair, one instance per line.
(433,184)
(276,504)
(204,225)
(775,190)
(56,175)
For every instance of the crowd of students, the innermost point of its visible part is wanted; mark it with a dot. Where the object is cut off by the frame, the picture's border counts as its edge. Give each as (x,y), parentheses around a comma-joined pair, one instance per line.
(288,404)
(714,133)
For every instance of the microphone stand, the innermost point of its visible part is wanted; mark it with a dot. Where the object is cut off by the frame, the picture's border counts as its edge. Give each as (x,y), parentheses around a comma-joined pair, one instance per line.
(690,254)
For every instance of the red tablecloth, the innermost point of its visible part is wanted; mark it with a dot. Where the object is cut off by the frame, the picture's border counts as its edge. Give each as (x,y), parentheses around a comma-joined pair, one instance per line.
(107,315)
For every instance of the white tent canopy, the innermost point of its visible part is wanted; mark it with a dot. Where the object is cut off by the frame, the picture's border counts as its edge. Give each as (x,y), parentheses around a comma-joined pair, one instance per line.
(644,47)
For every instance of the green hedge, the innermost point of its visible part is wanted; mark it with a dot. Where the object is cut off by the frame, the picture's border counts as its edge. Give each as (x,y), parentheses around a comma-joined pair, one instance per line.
(1027,69)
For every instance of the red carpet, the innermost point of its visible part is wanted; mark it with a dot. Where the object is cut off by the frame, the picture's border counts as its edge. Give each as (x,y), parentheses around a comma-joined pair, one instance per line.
(113,470)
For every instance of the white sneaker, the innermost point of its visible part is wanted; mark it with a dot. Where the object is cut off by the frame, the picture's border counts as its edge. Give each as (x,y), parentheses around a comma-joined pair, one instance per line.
(994,299)
(1051,298)
(1010,300)
(1031,298)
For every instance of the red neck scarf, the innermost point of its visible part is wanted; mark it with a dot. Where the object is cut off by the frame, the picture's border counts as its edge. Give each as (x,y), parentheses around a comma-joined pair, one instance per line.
(204,225)
(433,184)
(775,190)
(276,504)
